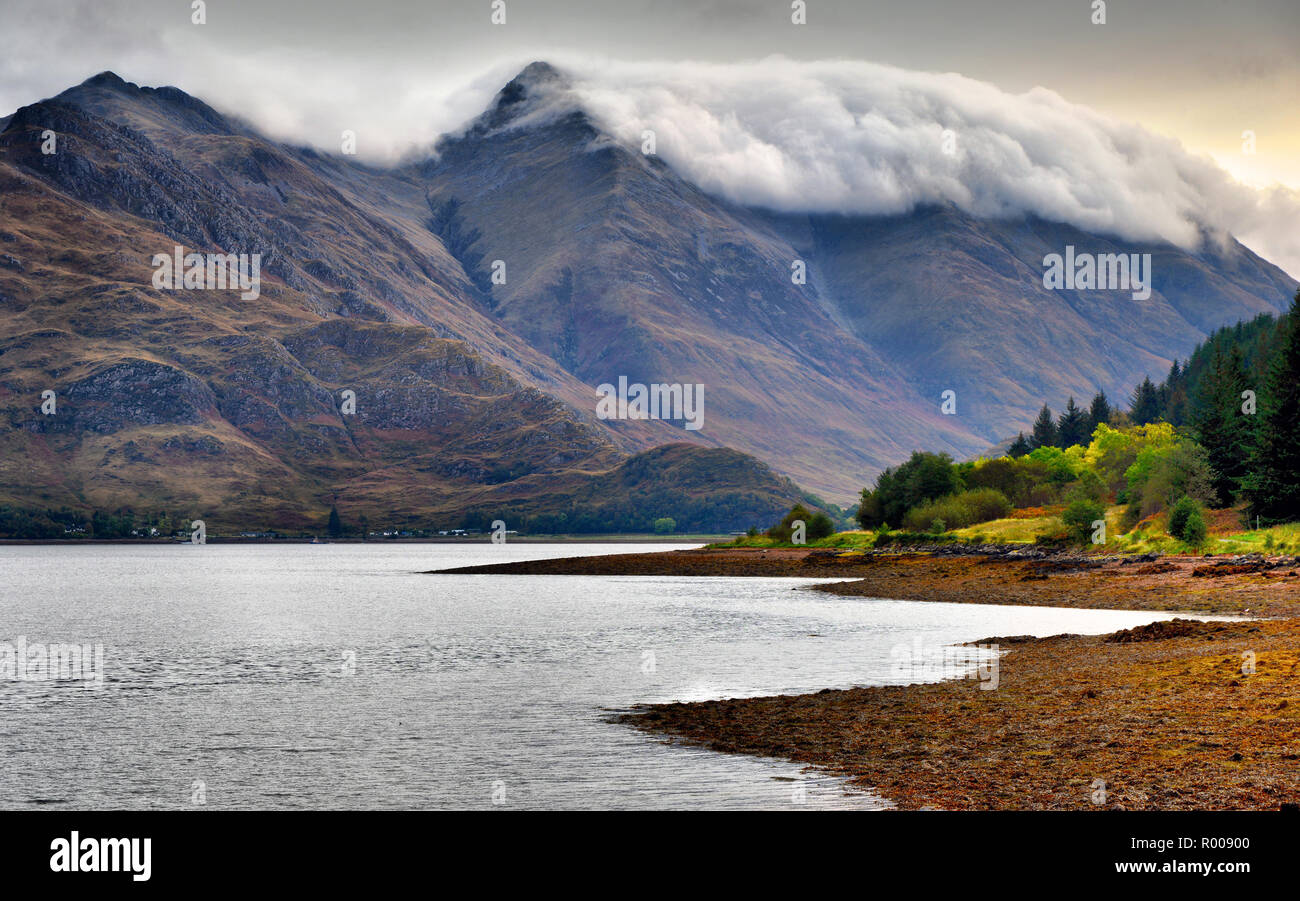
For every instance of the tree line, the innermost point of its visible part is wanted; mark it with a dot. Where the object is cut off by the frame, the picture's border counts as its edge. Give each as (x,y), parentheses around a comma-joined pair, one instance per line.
(1074,426)
(1222,429)
(1237,396)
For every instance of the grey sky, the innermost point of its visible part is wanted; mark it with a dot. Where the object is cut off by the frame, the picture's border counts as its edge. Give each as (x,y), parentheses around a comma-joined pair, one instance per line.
(1199,70)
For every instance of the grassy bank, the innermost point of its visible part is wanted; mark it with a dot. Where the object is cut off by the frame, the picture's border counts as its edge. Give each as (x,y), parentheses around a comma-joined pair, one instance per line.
(1045,525)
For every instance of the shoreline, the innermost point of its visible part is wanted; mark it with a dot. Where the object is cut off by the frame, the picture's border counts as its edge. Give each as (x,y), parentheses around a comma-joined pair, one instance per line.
(1161,717)
(1252,586)
(1153,722)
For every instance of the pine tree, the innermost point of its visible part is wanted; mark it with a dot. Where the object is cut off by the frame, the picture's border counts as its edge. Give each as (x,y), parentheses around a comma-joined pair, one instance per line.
(1019,447)
(1221,426)
(1044,433)
(1176,410)
(335,524)
(1273,484)
(1099,412)
(1145,404)
(1173,395)
(1072,427)
(1165,388)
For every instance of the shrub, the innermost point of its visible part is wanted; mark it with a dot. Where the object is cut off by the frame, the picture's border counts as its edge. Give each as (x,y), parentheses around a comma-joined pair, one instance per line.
(1023,482)
(820,526)
(959,510)
(783,531)
(1163,474)
(924,477)
(1179,514)
(1186,522)
(1089,486)
(816,525)
(1079,517)
(1053,539)
(1131,516)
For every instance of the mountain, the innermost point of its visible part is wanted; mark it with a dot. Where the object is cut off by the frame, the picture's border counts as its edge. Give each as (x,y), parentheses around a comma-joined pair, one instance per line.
(978,320)
(617,266)
(897,309)
(226,409)
(477,396)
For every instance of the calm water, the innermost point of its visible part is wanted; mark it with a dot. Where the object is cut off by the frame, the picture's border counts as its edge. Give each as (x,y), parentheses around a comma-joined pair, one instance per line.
(336,676)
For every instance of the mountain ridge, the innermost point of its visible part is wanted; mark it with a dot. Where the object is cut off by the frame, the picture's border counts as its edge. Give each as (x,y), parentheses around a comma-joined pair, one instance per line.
(616,266)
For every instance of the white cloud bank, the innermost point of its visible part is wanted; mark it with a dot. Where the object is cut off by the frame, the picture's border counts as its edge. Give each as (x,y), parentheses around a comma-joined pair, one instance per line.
(833,136)
(857,137)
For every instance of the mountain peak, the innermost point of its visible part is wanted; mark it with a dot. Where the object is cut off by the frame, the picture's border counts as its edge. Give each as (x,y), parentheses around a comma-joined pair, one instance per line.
(540,69)
(105,79)
(538,88)
(150,110)
(535,80)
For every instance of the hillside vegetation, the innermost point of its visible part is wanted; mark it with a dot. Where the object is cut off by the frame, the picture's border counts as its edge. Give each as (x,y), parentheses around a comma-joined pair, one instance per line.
(1206,461)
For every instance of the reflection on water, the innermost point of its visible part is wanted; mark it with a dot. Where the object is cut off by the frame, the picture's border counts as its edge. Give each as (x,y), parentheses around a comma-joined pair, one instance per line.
(336,676)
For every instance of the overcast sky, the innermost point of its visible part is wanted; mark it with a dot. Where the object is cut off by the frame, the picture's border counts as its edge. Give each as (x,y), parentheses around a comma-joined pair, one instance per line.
(1202,71)
(399,72)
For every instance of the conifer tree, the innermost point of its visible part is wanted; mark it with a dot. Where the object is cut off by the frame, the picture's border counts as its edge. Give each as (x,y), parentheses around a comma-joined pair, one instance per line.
(1044,433)
(1099,412)
(1222,427)
(1072,427)
(1145,403)
(1273,484)
(1173,395)
(1164,388)
(1019,447)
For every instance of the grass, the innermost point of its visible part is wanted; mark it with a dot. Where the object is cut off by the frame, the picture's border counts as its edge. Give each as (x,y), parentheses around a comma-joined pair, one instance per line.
(849,540)
(1010,530)
(1018,528)
(858,540)
(1282,539)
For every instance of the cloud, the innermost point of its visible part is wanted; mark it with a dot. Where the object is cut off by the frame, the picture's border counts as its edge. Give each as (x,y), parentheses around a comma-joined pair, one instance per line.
(829,136)
(305,91)
(858,137)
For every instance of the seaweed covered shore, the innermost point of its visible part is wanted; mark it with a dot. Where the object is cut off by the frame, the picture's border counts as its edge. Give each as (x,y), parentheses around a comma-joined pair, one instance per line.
(1159,718)
(1180,714)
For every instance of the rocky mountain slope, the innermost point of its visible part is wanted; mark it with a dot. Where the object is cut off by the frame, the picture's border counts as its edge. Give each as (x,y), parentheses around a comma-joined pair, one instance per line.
(478,395)
(232,410)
